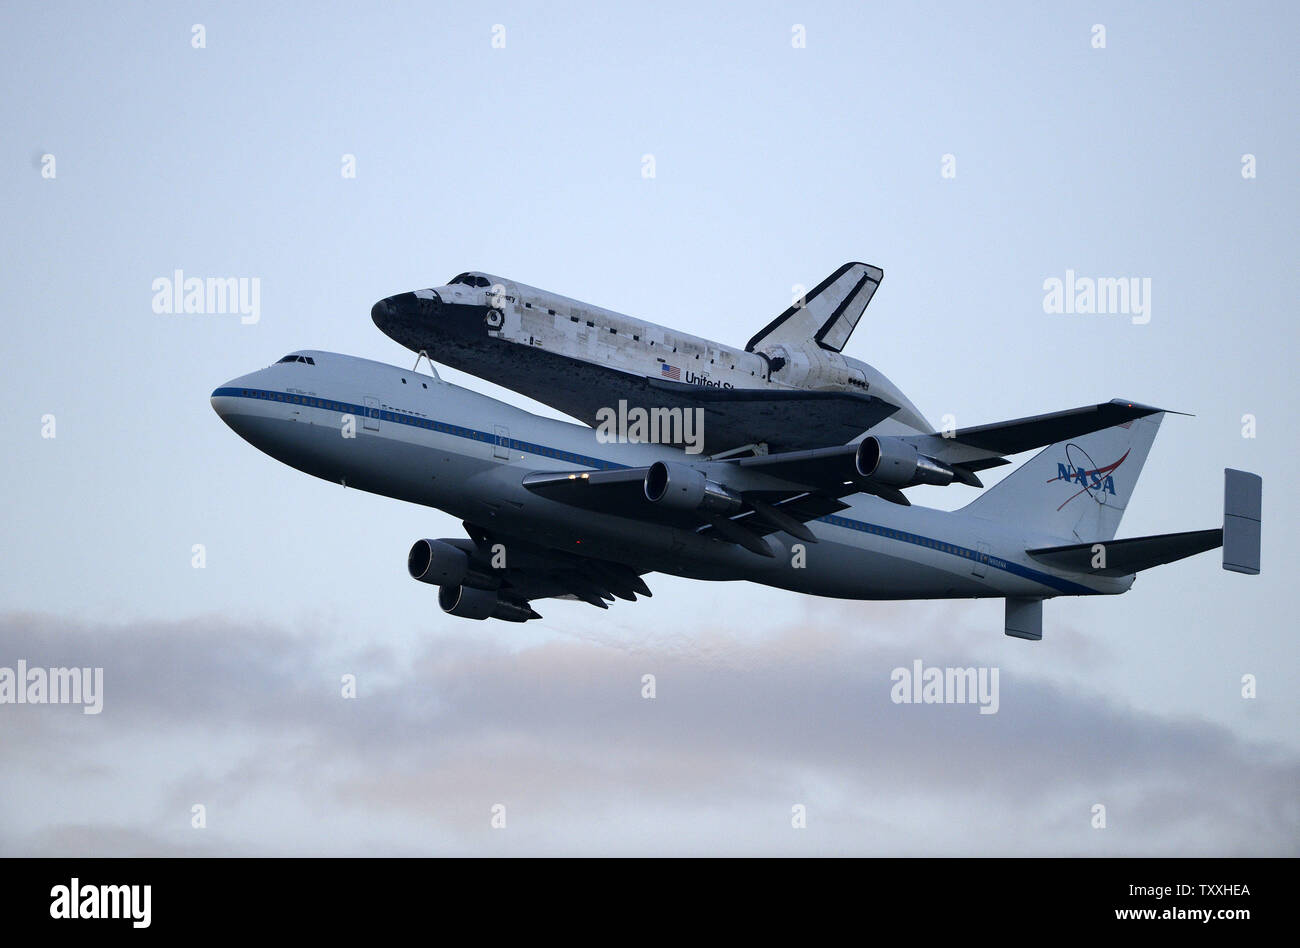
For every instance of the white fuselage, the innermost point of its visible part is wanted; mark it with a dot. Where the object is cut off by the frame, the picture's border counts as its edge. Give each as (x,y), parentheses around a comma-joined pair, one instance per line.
(416,438)
(529,339)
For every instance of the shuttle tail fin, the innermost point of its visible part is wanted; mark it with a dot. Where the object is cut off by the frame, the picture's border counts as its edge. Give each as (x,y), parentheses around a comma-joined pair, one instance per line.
(827,314)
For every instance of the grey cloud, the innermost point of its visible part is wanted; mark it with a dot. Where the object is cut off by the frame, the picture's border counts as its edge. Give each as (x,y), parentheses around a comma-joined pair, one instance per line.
(742,728)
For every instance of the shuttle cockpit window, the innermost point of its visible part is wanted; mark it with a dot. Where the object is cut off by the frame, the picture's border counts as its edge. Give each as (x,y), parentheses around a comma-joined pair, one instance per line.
(469,279)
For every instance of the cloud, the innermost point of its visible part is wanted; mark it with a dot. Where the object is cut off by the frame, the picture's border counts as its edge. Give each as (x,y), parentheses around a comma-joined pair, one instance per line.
(248,721)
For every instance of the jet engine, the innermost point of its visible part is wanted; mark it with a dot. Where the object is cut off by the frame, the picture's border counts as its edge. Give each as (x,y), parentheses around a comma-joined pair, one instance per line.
(467,601)
(470,602)
(896,463)
(679,487)
(441,564)
(437,562)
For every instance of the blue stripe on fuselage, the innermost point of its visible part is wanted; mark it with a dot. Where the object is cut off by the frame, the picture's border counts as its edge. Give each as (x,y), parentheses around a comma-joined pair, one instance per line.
(541,450)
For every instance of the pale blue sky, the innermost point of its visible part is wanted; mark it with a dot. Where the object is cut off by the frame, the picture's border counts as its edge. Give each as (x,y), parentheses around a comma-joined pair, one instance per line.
(773,166)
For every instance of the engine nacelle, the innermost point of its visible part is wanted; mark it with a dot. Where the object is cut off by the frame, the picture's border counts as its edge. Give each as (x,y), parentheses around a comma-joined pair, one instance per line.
(471,602)
(437,562)
(468,602)
(679,487)
(896,463)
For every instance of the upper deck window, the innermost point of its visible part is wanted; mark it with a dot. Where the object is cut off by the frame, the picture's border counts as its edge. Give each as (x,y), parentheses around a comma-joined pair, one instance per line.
(294,357)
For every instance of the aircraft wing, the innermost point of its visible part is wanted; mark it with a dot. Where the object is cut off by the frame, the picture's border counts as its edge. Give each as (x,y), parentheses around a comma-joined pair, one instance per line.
(762,494)
(786,420)
(769,494)
(537,572)
(985,446)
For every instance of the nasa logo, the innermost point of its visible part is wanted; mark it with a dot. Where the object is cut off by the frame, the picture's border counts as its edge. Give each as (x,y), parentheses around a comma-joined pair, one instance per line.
(1096,481)
(1078,475)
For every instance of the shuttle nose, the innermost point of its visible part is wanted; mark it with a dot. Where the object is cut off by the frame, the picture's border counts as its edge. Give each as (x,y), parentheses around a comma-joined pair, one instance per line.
(381,313)
(403,306)
(406,317)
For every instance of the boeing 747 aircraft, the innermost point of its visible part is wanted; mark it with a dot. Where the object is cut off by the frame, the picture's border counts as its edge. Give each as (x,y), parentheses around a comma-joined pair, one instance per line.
(552,510)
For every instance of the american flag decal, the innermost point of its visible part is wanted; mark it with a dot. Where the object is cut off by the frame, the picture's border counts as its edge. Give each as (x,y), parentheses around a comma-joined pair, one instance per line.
(670,372)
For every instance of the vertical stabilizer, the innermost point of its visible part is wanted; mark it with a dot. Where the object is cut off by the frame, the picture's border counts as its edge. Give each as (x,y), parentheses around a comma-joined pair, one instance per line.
(1076,489)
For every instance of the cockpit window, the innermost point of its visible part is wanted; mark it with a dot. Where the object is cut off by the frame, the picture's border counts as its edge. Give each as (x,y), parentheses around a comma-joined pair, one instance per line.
(294,357)
(481,281)
(469,279)
(459,278)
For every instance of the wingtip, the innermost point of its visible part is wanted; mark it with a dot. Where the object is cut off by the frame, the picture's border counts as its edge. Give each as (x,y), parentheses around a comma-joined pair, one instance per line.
(1147,409)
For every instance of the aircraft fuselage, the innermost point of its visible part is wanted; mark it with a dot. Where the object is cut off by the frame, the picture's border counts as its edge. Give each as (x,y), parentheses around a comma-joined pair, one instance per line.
(557,350)
(415,438)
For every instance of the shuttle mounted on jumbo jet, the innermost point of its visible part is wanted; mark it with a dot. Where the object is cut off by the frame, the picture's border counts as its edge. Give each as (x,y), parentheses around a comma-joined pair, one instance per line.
(790,387)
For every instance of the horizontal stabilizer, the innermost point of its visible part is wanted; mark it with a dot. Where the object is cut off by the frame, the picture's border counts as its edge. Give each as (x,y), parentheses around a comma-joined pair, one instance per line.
(1122,557)
(1239,538)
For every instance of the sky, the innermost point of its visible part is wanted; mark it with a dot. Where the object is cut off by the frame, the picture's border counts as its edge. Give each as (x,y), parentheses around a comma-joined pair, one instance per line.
(972,153)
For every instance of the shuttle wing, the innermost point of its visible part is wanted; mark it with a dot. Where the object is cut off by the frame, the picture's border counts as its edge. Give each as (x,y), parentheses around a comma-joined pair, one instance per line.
(785,420)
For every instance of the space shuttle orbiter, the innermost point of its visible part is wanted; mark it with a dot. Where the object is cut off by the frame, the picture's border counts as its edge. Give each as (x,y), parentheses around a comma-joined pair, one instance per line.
(790,391)
(789,388)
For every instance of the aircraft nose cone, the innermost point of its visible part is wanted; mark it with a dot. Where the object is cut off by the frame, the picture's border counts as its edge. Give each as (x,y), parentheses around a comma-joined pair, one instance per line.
(381,313)
(223,400)
(229,401)
(404,317)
